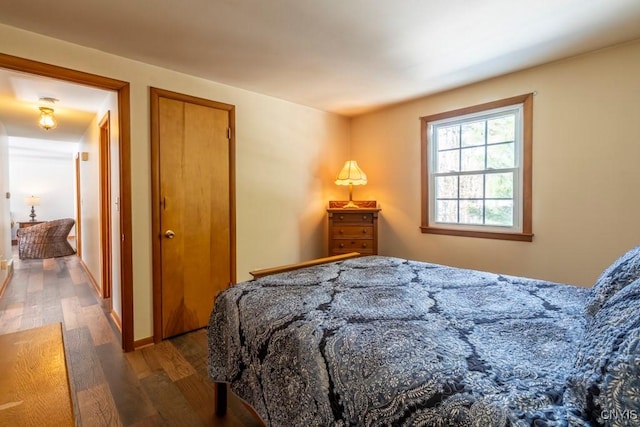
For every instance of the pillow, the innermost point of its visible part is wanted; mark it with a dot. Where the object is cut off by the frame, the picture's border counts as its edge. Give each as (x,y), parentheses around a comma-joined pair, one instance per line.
(604,385)
(623,271)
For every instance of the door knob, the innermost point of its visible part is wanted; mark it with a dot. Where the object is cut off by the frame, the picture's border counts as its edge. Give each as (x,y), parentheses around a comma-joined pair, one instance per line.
(169,234)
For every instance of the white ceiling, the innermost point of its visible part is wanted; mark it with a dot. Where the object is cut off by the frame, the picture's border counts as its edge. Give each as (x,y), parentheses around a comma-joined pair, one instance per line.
(343,56)
(75,109)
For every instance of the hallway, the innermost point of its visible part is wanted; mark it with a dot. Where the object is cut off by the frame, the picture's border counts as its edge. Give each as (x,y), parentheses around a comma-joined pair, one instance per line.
(164,384)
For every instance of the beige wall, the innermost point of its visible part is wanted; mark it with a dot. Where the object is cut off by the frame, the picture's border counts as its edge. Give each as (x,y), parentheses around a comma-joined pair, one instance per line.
(90,200)
(286,159)
(5,216)
(111,106)
(586,173)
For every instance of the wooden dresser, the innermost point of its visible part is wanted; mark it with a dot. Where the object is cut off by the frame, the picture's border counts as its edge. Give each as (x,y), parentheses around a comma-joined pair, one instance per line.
(26,224)
(353,230)
(29,223)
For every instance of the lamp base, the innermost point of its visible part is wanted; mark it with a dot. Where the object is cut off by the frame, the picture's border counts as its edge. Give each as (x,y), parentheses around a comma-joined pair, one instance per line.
(33,214)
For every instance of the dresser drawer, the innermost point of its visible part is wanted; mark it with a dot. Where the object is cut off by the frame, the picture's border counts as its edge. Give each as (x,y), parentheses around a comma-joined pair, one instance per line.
(364,246)
(353,230)
(341,231)
(353,218)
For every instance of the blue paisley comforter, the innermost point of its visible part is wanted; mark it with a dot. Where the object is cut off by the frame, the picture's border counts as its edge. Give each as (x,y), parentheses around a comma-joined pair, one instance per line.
(387,341)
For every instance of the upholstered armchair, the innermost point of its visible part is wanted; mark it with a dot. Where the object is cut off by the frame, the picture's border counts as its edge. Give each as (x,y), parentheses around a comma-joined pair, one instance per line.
(46,240)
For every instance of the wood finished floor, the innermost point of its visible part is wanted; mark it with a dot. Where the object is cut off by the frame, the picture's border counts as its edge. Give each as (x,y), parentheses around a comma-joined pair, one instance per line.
(160,385)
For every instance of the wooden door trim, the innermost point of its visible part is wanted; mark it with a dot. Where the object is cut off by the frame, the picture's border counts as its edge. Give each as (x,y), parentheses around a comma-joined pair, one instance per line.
(124,134)
(155,95)
(105,204)
(77,160)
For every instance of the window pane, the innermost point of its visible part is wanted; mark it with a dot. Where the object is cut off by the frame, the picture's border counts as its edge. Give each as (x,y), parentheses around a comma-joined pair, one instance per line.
(471,186)
(472,158)
(471,212)
(499,185)
(446,187)
(448,137)
(499,212)
(501,156)
(447,211)
(501,129)
(472,133)
(448,161)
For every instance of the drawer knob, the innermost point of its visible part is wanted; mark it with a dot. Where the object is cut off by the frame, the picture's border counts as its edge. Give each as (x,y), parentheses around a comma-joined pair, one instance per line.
(341,216)
(341,231)
(364,231)
(364,217)
(342,245)
(364,245)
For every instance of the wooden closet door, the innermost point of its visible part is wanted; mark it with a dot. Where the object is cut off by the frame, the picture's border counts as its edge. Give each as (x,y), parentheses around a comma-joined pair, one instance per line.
(194,213)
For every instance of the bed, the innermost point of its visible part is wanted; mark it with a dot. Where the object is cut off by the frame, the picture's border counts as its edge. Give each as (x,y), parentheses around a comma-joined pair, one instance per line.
(387,341)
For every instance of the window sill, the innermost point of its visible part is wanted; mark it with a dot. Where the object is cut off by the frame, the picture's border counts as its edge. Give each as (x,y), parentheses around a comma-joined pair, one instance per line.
(520,237)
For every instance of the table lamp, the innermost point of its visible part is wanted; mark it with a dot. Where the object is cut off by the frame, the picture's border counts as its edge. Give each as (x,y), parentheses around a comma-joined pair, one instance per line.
(32,201)
(351,175)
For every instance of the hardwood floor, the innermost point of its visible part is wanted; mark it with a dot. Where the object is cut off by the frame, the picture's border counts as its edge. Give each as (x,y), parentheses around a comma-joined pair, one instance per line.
(160,385)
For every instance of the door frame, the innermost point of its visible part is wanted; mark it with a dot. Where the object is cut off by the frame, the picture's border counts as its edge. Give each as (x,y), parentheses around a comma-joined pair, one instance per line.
(156,233)
(124,140)
(105,204)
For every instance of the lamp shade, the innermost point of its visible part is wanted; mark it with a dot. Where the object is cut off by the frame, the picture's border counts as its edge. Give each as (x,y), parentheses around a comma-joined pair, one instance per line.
(32,201)
(351,174)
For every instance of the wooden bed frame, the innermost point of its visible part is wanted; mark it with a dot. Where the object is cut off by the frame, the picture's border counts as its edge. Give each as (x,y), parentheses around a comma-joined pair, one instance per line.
(221,388)
(284,268)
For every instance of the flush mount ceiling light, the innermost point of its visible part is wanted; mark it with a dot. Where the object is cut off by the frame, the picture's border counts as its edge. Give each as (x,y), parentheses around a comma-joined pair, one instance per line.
(47,120)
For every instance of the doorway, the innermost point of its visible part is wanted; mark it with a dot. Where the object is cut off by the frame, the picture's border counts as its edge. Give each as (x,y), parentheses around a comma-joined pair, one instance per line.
(122,90)
(193,208)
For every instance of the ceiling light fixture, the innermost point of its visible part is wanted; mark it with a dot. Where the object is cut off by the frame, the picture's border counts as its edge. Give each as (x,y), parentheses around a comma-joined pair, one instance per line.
(47,120)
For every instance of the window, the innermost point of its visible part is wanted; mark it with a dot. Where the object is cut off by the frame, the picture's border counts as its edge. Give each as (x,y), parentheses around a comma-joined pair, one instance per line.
(476,170)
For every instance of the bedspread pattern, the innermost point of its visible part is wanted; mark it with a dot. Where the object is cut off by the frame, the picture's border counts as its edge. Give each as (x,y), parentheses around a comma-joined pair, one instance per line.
(386,341)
